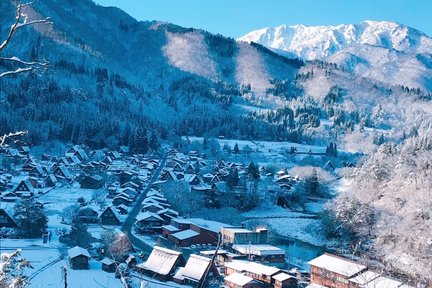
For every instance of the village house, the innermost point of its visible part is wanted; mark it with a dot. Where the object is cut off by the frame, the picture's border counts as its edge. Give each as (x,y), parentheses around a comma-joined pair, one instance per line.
(61,172)
(194,271)
(254,270)
(122,209)
(149,222)
(25,189)
(168,175)
(50,181)
(283,280)
(167,214)
(122,199)
(109,216)
(240,235)
(162,263)
(6,221)
(78,258)
(87,215)
(200,231)
(108,265)
(176,225)
(238,280)
(263,253)
(333,271)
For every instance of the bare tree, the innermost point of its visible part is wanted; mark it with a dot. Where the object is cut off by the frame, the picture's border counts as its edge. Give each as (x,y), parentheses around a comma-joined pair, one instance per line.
(21,20)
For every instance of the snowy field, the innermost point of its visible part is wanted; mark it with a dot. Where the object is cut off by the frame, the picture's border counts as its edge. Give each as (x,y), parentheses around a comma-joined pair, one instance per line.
(289,224)
(95,277)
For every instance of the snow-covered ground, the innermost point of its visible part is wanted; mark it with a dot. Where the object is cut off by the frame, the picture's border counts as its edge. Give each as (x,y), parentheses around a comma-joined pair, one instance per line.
(95,277)
(289,224)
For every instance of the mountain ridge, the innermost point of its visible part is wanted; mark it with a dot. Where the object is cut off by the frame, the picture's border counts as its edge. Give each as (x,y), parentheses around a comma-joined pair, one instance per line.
(338,43)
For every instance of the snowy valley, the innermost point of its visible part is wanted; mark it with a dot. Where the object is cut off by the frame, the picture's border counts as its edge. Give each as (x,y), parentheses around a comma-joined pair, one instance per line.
(145,154)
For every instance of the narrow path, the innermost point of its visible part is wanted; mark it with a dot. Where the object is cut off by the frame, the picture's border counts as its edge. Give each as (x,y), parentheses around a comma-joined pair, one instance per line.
(130,220)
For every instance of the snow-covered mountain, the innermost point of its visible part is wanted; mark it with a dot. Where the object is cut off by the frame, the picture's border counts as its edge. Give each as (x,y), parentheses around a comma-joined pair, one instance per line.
(126,76)
(385,51)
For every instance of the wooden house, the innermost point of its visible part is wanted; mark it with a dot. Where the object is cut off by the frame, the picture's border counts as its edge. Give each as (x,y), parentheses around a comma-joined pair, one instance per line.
(264,253)
(254,270)
(87,215)
(122,209)
(162,263)
(108,265)
(25,189)
(78,258)
(109,216)
(6,220)
(333,271)
(194,271)
(122,199)
(149,222)
(61,172)
(283,280)
(50,181)
(168,175)
(238,280)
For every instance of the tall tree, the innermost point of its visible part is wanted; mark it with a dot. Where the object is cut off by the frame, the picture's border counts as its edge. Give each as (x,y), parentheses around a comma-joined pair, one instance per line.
(30,219)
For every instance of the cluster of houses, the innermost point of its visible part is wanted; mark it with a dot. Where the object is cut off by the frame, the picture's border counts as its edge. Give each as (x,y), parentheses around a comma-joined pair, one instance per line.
(329,271)
(125,174)
(242,258)
(155,212)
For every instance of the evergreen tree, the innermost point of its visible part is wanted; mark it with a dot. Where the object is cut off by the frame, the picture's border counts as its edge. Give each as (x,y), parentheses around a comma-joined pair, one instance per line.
(30,219)
(79,235)
(236,149)
(154,142)
(253,171)
(233,179)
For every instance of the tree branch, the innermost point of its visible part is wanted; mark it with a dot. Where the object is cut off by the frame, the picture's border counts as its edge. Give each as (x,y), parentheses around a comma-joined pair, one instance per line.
(10,135)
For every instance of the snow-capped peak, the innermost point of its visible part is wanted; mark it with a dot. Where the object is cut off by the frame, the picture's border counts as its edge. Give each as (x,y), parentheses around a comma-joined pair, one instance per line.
(319,42)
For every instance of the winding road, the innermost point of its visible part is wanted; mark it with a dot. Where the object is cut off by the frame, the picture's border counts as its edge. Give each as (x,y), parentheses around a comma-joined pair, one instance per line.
(130,220)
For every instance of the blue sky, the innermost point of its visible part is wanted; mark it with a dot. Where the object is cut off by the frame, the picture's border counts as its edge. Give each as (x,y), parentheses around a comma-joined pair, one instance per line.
(235,18)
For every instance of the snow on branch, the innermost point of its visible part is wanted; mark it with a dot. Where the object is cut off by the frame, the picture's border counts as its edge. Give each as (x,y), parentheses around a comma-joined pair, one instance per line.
(11,135)
(20,22)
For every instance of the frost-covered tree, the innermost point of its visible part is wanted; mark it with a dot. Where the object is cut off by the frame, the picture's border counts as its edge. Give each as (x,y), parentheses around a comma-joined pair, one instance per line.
(387,207)
(20,66)
(11,270)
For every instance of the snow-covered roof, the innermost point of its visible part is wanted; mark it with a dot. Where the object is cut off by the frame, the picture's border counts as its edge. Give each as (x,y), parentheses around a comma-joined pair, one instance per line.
(195,267)
(107,261)
(161,260)
(238,279)
(185,234)
(208,224)
(252,267)
(258,249)
(147,215)
(282,277)
(170,228)
(113,209)
(77,251)
(337,265)
(383,282)
(364,277)
(314,285)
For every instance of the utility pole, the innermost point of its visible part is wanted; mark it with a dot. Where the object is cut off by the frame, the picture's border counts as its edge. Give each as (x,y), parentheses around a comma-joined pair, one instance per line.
(65,276)
(211,261)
